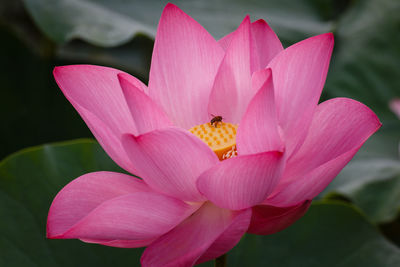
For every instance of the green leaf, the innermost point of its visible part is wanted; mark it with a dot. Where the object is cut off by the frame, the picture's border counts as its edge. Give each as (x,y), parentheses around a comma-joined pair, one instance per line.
(110,23)
(29,180)
(371,180)
(328,235)
(366,67)
(366,63)
(89,20)
(371,184)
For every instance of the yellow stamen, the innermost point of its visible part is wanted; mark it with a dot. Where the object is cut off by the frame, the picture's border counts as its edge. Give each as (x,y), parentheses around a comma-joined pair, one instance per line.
(220,137)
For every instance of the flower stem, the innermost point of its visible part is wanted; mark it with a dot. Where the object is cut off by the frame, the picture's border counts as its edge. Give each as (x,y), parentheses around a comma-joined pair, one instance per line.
(220,261)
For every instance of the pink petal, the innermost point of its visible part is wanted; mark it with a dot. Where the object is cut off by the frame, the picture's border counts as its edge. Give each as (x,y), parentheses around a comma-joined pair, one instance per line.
(121,243)
(339,125)
(84,194)
(228,239)
(95,93)
(96,89)
(170,160)
(339,128)
(226,40)
(267,220)
(184,63)
(259,78)
(308,186)
(299,74)
(395,106)
(258,130)
(133,81)
(243,181)
(110,142)
(185,244)
(136,216)
(146,114)
(231,91)
(267,44)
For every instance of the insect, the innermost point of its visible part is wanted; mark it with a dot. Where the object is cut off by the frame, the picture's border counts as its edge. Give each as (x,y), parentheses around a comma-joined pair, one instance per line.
(215,120)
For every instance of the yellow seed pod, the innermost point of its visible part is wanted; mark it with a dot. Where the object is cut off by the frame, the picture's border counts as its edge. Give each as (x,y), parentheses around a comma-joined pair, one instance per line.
(219,137)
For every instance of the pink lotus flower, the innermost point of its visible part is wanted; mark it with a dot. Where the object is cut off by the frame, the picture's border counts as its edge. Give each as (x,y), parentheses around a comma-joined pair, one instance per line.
(191,205)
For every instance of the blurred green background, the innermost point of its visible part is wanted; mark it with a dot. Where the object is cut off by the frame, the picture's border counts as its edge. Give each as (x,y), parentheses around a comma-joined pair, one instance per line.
(358,215)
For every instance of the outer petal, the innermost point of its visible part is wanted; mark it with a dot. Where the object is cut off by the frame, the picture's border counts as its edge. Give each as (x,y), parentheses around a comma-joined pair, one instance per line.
(228,239)
(243,181)
(267,220)
(184,63)
(259,78)
(146,114)
(95,93)
(226,40)
(231,91)
(110,142)
(258,130)
(121,243)
(339,128)
(265,44)
(136,216)
(84,194)
(170,160)
(134,82)
(184,245)
(309,185)
(299,74)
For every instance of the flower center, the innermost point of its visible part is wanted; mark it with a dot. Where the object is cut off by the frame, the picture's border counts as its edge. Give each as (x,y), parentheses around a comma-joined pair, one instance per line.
(219,136)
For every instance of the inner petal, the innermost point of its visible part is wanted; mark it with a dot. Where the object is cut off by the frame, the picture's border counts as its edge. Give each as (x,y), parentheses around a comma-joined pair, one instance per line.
(219,136)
